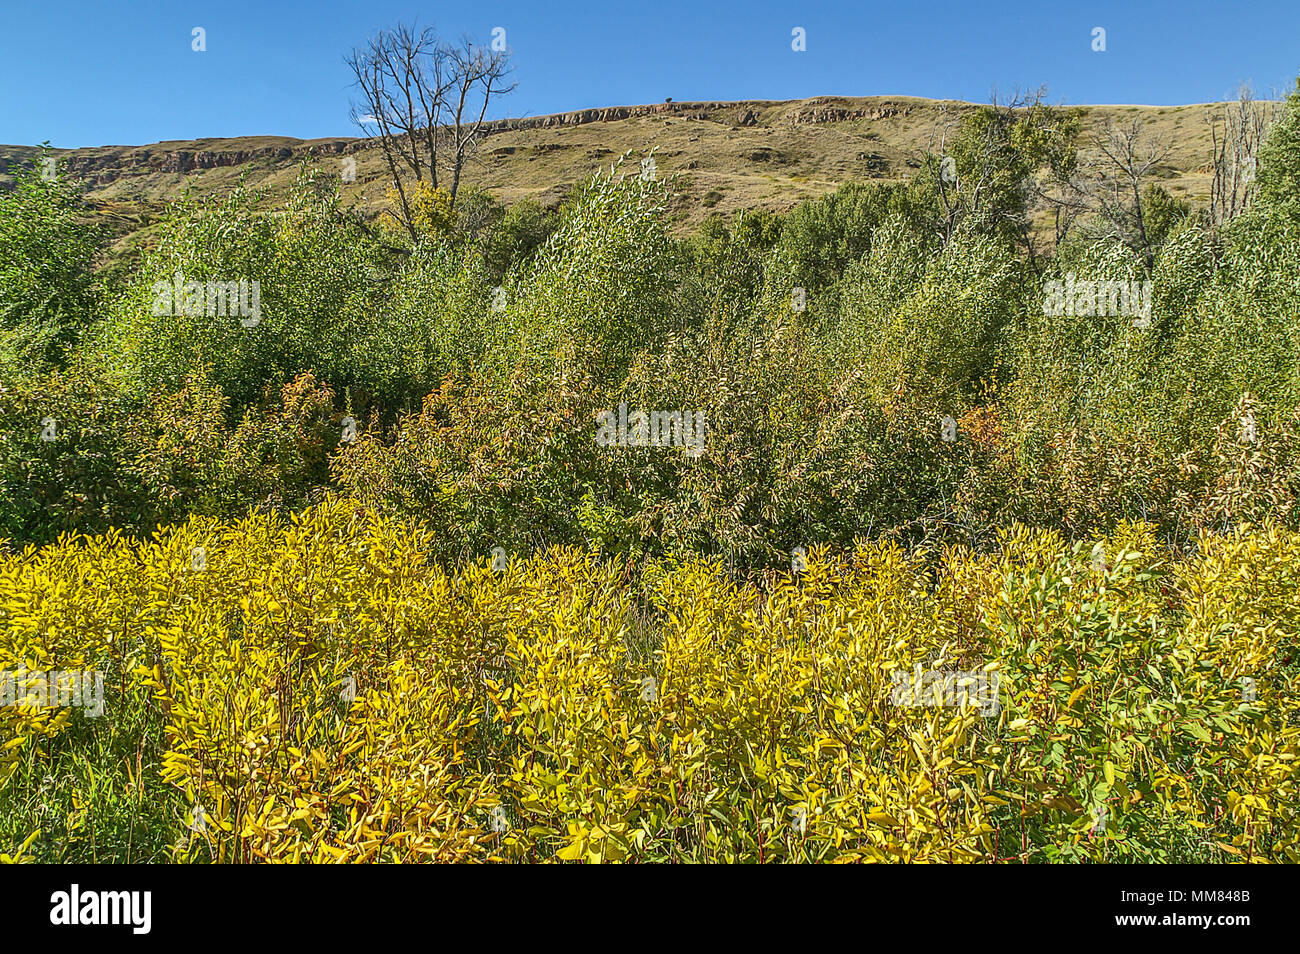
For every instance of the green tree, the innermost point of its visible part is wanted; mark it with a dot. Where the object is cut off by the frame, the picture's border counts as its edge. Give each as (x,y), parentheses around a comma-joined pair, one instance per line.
(1279,159)
(47,283)
(986,167)
(523,229)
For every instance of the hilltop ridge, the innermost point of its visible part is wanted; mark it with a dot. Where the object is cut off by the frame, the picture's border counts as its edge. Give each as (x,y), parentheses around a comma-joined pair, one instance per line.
(725,155)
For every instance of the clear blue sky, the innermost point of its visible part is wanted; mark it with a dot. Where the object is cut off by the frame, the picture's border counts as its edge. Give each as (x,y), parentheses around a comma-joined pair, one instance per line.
(98,72)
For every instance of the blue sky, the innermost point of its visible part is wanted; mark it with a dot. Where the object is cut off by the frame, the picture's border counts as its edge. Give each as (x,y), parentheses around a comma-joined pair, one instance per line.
(98,72)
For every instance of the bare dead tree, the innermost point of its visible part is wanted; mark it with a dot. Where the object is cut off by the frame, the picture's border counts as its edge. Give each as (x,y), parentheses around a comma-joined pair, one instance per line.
(400,74)
(948,181)
(963,188)
(1111,182)
(477,74)
(1063,200)
(1237,135)
(424,102)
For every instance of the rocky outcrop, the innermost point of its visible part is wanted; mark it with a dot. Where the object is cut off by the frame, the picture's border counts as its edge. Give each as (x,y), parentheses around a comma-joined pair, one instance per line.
(100,168)
(741,114)
(812,113)
(608,114)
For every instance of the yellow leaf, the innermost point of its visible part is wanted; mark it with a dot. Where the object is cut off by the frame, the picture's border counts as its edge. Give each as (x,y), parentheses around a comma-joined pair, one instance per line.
(570,852)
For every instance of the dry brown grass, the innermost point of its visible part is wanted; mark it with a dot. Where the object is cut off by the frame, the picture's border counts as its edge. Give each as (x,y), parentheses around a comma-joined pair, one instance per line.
(741,155)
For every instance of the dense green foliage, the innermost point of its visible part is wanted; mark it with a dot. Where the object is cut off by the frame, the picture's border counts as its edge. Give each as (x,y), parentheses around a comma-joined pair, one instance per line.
(1279,166)
(823,349)
(47,286)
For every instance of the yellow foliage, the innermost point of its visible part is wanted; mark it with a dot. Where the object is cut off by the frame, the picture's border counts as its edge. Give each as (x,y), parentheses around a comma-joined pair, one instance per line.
(329,694)
(431,210)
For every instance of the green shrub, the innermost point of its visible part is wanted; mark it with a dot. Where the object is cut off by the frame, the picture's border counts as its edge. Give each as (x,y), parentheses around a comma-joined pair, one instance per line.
(81,453)
(328,303)
(524,228)
(48,293)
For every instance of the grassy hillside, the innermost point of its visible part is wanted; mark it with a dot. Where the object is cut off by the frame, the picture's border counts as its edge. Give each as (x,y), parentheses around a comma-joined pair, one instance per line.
(727,156)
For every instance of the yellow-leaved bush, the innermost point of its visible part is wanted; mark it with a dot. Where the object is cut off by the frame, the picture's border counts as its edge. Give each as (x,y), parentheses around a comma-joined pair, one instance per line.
(321,690)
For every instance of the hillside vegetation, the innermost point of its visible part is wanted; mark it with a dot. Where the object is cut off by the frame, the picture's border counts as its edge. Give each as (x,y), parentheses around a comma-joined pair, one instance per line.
(727,156)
